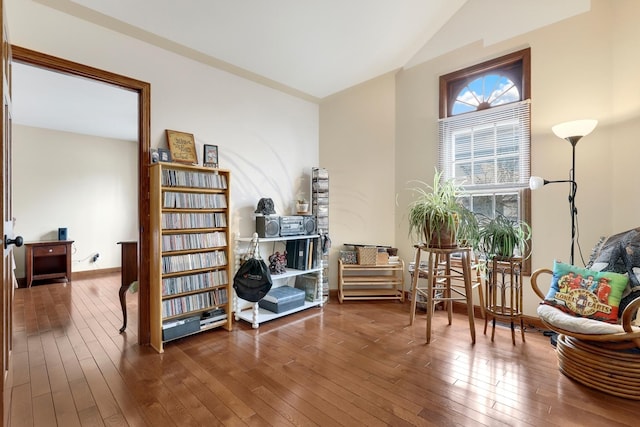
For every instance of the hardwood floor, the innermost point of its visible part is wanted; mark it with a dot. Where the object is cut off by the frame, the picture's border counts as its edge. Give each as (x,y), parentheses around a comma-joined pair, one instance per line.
(357,363)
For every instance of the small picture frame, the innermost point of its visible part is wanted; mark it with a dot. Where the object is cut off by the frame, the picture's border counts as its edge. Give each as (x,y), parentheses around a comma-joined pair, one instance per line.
(164,155)
(153,155)
(210,158)
(182,146)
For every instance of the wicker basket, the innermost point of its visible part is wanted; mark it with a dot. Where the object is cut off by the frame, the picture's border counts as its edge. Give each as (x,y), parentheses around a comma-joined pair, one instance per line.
(349,257)
(382,258)
(367,255)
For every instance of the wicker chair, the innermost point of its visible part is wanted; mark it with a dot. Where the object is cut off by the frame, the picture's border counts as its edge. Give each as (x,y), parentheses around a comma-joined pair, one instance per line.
(608,359)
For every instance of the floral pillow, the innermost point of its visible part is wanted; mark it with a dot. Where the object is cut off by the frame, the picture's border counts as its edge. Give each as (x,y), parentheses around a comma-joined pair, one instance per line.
(586,293)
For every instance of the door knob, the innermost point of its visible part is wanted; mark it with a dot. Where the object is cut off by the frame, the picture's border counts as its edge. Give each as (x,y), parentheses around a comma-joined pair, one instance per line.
(18,241)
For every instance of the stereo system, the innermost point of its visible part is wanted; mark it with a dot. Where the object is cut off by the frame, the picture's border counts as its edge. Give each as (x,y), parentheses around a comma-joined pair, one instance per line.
(268,226)
(283,226)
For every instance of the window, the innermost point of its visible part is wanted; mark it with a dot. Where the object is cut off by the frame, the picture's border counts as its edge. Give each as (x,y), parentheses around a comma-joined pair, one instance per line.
(484,135)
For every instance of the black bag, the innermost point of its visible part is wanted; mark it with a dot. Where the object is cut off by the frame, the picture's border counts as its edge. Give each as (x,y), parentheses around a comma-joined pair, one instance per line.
(252,280)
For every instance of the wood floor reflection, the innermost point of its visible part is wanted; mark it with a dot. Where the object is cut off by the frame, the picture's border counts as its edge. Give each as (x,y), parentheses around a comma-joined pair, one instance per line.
(351,364)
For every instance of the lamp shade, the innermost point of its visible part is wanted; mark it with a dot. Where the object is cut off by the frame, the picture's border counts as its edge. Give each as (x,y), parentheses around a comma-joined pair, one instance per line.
(536,182)
(575,128)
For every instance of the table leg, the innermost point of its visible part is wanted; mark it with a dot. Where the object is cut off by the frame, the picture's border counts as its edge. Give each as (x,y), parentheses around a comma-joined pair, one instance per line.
(414,287)
(430,300)
(447,291)
(466,269)
(123,303)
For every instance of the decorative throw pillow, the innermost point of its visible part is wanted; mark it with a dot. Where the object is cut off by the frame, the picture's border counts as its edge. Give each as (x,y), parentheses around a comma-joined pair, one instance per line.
(586,293)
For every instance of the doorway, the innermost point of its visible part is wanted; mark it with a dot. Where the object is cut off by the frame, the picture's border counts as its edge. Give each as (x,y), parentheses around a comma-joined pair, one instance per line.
(142,89)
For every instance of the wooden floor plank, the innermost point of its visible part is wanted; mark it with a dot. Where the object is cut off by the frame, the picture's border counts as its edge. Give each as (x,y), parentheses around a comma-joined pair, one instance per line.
(99,389)
(21,406)
(358,363)
(81,394)
(39,380)
(66,413)
(90,417)
(44,414)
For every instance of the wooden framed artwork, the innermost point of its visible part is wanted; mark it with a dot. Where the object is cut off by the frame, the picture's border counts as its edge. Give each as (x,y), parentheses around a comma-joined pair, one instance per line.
(210,156)
(182,147)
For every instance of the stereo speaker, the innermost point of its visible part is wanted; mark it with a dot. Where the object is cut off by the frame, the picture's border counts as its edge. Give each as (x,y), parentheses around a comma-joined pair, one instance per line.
(62,233)
(268,226)
(309,224)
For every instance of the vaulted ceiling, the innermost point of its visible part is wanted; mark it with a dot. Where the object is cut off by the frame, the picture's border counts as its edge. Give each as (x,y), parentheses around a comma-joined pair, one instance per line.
(316,47)
(310,48)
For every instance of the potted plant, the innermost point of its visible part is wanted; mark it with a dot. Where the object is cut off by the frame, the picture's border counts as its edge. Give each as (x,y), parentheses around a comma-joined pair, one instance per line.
(302,205)
(500,236)
(437,215)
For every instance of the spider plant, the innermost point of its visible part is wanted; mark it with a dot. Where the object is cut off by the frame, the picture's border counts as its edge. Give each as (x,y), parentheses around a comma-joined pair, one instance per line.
(501,236)
(437,216)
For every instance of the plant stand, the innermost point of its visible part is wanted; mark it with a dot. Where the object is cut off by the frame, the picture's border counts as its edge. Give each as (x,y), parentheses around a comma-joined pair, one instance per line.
(504,294)
(443,283)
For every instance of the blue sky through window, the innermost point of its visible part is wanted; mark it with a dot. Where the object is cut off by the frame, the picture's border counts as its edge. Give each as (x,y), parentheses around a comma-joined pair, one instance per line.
(486,91)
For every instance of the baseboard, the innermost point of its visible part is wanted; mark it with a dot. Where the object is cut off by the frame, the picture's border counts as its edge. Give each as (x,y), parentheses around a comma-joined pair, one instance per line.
(88,274)
(77,275)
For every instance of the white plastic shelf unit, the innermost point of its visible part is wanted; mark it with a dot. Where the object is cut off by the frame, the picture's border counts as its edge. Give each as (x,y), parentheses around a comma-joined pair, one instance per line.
(252,312)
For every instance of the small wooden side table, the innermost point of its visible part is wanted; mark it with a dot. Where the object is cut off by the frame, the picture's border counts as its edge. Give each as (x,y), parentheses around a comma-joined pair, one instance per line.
(48,260)
(504,294)
(441,283)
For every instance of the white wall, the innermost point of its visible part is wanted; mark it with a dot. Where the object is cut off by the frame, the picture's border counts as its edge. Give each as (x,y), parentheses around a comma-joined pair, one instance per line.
(357,147)
(582,67)
(267,139)
(85,183)
(624,117)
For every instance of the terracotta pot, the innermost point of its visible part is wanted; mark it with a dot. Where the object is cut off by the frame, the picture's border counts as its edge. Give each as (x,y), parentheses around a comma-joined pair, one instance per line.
(440,236)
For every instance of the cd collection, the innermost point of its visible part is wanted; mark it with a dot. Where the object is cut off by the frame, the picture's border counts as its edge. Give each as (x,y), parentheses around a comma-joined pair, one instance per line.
(175,221)
(177,200)
(178,178)
(180,242)
(188,303)
(194,261)
(194,282)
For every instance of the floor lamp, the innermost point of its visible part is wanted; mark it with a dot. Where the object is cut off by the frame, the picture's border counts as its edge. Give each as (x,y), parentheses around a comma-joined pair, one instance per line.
(572,132)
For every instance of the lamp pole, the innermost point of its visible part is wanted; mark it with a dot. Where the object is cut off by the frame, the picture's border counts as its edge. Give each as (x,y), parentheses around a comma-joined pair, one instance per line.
(572,132)
(574,188)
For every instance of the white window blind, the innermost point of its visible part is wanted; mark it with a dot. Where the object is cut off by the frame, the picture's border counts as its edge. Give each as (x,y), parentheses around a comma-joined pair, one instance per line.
(487,149)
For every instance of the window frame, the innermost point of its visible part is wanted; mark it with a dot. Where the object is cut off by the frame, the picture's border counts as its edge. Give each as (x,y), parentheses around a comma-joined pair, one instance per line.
(517,65)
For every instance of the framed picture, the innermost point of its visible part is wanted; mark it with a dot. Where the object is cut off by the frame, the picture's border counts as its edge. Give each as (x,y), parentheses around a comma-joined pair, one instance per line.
(154,156)
(164,155)
(210,156)
(182,147)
